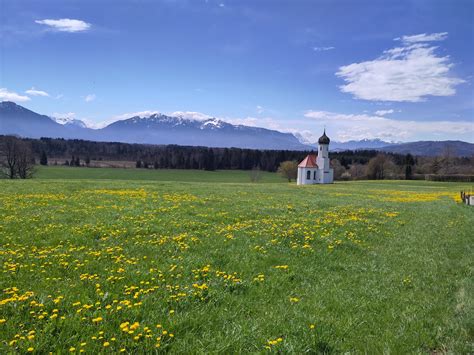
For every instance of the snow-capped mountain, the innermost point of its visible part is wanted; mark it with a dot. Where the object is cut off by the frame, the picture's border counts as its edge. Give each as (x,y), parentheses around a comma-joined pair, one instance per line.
(361,144)
(211,132)
(156,128)
(349,145)
(69,121)
(152,128)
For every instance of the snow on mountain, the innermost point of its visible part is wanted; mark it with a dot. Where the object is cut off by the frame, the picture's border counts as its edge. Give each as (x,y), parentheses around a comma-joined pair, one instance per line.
(192,129)
(70,121)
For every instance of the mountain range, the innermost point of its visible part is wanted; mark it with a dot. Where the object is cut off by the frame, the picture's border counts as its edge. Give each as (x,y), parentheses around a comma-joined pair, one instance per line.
(162,129)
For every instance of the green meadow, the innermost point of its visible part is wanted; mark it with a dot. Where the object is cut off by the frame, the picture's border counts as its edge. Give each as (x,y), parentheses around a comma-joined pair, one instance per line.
(61,172)
(144,261)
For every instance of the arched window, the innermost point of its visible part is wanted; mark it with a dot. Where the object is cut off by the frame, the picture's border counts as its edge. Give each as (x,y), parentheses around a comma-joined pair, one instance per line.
(308,175)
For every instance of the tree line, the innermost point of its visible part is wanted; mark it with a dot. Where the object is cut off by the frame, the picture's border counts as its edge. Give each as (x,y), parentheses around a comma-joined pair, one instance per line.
(18,156)
(76,152)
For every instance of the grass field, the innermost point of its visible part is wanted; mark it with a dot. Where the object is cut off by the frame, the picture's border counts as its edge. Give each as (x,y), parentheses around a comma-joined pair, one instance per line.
(61,172)
(195,267)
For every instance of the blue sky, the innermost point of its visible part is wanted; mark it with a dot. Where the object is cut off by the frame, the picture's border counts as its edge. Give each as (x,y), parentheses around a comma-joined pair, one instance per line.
(395,70)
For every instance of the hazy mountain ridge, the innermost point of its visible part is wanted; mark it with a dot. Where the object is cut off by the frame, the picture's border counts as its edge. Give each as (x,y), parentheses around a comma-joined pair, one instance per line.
(362,144)
(154,129)
(211,132)
(433,148)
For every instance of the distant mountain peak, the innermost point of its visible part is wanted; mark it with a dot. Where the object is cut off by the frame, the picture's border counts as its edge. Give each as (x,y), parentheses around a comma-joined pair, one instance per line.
(9,105)
(174,121)
(70,121)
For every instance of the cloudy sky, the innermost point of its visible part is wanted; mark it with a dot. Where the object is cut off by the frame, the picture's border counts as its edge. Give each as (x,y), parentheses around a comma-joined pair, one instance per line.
(395,70)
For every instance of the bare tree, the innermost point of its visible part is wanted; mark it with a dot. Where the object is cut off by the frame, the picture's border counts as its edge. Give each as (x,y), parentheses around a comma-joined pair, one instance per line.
(8,155)
(357,171)
(288,169)
(25,161)
(447,160)
(16,158)
(338,169)
(379,167)
(255,174)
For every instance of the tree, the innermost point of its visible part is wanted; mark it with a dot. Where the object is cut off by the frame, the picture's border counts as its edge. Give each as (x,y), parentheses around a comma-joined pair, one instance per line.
(288,169)
(255,174)
(447,160)
(338,169)
(16,158)
(379,167)
(357,171)
(409,162)
(87,160)
(43,158)
(209,160)
(26,161)
(8,153)
(435,165)
(138,164)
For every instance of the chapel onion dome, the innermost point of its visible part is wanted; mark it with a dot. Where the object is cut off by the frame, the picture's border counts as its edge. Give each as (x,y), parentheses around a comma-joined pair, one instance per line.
(324,139)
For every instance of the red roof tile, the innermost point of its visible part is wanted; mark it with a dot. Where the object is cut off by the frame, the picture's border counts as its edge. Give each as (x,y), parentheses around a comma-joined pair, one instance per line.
(308,162)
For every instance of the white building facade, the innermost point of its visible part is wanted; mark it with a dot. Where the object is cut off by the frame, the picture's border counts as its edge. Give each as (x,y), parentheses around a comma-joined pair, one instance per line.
(315,168)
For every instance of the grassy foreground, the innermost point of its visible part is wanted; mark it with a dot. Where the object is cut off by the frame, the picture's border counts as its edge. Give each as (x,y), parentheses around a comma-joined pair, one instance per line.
(139,266)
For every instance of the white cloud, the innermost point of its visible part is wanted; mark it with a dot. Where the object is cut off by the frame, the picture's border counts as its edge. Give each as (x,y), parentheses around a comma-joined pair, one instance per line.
(383,112)
(65,25)
(323,49)
(6,95)
(35,92)
(407,73)
(89,98)
(191,115)
(423,37)
(363,126)
(260,109)
(126,116)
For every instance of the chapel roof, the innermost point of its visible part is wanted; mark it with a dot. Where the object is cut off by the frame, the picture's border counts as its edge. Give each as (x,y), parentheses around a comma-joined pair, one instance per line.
(308,162)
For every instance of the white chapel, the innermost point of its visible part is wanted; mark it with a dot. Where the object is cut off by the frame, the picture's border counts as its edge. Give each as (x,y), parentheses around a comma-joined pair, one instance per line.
(315,168)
